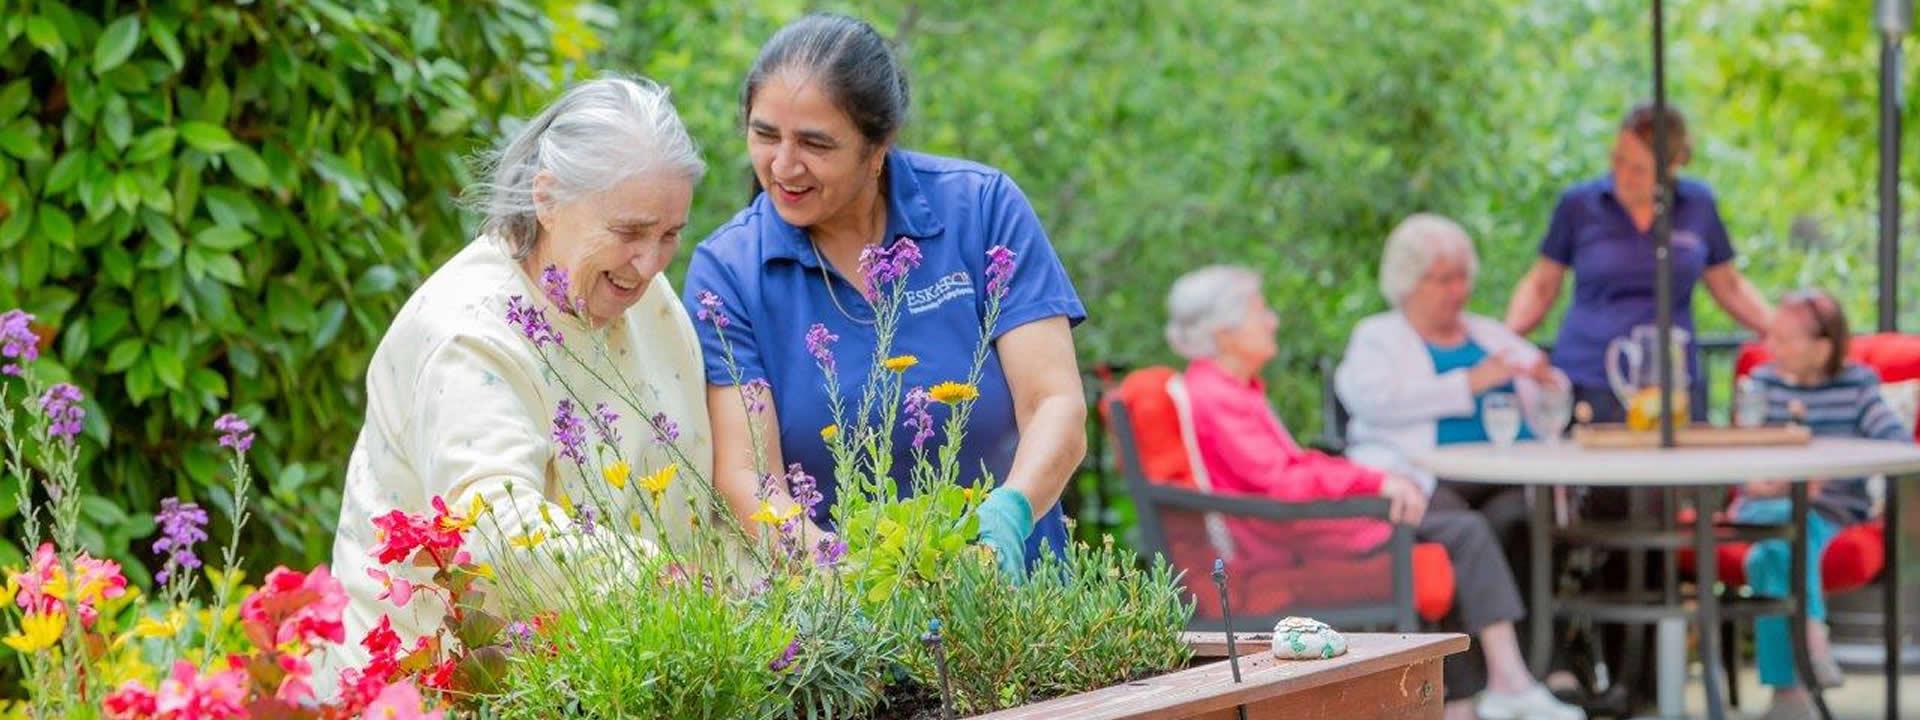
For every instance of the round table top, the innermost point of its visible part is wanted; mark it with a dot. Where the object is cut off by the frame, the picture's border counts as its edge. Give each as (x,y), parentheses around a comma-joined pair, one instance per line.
(1569,464)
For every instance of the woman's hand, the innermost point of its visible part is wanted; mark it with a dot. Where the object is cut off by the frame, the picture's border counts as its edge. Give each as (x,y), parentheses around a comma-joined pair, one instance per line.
(1407,503)
(1006,519)
(1491,373)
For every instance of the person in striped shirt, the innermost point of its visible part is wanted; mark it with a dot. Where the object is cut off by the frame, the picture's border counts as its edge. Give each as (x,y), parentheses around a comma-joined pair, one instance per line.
(1811,382)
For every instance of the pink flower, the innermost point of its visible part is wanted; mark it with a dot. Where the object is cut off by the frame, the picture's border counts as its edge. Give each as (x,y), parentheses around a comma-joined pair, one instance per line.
(292,606)
(294,688)
(399,701)
(214,696)
(45,587)
(999,269)
(401,534)
(392,587)
(18,343)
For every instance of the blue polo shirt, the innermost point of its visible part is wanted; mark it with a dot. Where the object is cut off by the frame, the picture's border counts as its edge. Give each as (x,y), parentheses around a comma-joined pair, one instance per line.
(774,288)
(1613,270)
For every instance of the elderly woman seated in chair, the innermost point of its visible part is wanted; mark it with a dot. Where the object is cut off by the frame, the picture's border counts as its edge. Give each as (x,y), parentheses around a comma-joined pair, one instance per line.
(1219,321)
(1417,376)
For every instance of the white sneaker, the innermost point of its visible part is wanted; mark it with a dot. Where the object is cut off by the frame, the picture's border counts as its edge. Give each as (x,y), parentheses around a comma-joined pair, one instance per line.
(1534,703)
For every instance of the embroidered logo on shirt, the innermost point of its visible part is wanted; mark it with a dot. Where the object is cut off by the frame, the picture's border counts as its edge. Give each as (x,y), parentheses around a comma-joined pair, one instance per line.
(1685,239)
(957,285)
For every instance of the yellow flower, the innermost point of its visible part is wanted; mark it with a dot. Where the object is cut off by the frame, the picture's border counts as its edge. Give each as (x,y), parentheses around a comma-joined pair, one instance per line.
(479,507)
(483,570)
(617,473)
(38,631)
(529,541)
(953,392)
(900,363)
(633,519)
(150,627)
(13,588)
(566,506)
(545,515)
(657,482)
(829,432)
(766,514)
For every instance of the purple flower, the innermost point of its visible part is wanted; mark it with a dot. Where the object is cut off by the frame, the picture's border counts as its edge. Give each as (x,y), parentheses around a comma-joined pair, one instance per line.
(766,486)
(17,341)
(559,290)
(999,269)
(570,432)
(805,489)
(531,322)
(918,418)
(881,265)
(906,256)
(603,419)
(234,432)
(790,539)
(818,338)
(181,526)
(786,657)
(519,633)
(61,406)
(711,310)
(665,430)
(584,517)
(755,391)
(828,551)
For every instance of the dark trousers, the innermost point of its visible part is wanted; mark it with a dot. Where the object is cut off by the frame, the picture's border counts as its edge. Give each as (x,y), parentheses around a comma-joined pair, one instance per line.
(1484,590)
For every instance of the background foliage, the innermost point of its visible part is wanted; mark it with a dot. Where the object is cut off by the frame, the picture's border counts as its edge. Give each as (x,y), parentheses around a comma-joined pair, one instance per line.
(223,205)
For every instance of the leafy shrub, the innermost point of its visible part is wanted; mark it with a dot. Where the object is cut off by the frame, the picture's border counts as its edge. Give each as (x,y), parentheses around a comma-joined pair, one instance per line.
(213,204)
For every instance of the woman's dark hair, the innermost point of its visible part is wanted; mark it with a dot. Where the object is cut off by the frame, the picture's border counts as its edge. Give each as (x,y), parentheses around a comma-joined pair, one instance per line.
(1640,121)
(1829,323)
(853,64)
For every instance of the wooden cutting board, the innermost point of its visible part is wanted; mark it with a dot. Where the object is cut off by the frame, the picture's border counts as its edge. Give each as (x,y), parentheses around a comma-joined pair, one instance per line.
(1618,437)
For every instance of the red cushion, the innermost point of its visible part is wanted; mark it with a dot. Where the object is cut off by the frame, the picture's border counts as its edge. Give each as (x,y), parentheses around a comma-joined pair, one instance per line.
(1156,426)
(1322,583)
(1853,559)
(1896,357)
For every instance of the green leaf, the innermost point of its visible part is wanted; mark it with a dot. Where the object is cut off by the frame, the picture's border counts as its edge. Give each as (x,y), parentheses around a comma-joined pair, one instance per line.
(161,33)
(126,189)
(43,35)
(15,226)
(22,140)
(66,172)
(377,280)
(15,98)
(247,165)
(210,382)
(153,144)
(56,227)
(139,381)
(223,238)
(332,315)
(167,365)
(117,43)
(226,269)
(124,354)
(206,137)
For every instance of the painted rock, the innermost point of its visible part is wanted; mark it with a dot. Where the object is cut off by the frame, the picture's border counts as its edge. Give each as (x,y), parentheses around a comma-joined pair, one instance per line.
(1298,638)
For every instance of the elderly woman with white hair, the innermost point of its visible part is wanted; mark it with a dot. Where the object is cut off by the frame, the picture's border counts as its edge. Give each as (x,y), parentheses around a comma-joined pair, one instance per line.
(1414,377)
(1218,320)
(459,402)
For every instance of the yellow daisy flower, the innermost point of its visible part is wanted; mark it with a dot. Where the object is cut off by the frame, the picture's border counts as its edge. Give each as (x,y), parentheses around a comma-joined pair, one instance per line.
(13,588)
(617,473)
(530,540)
(566,506)
(483,570)
(151,627)
(900,363)
(766,514)
(829,432)
(658,482)
(38,631)
(953,392)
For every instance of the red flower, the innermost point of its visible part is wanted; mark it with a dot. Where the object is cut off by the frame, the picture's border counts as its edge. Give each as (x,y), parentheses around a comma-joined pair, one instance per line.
(400,535)
(440,677)
(132,701)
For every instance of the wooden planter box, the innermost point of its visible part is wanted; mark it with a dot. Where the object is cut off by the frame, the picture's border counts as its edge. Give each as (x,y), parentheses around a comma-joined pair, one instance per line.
(1385,675)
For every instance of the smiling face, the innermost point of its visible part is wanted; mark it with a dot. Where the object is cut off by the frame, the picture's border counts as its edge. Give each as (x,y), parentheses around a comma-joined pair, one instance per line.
(1795,342)
(807,153)
(1632,166)
(1440,297)
(613,242)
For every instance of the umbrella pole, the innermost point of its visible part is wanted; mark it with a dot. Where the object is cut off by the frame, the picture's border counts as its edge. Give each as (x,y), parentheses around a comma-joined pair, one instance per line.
(1662,230)
(1893,17)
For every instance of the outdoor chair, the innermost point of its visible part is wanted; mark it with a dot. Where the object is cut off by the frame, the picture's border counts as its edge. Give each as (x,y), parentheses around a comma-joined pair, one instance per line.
(1182,520)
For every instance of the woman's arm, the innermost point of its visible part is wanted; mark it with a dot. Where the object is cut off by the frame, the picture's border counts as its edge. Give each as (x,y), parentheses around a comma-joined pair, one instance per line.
(1373,385)
(736,467)
(1737,295)
(1049,406)
(1535,295)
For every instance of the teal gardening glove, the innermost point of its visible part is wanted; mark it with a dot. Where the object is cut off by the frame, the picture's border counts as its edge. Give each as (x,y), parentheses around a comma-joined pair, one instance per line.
(1006,519)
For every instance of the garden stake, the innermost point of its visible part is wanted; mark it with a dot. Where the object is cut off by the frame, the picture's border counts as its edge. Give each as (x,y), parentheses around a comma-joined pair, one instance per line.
(932,639)
(1226,618)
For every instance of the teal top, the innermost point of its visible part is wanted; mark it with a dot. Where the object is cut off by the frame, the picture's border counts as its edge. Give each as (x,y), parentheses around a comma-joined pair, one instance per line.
(1465,428)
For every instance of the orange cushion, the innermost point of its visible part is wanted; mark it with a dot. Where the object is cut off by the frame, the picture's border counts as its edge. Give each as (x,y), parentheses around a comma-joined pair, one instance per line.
(1156,426)
(1895,356)
(1853,559)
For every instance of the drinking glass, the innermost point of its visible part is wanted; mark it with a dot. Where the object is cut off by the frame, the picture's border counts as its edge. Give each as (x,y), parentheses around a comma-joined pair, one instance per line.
(1552,410)
(1749,404)
(1500,414)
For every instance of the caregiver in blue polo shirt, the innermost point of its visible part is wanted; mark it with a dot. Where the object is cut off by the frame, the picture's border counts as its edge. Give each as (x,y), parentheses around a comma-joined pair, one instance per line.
(1602,230)
(823,106)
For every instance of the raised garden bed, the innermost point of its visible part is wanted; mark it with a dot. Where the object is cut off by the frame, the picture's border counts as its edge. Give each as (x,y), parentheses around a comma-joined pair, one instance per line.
(1386,675)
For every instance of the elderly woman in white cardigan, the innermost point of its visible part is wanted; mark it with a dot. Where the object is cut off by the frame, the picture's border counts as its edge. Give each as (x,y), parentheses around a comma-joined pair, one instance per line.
(1413,377)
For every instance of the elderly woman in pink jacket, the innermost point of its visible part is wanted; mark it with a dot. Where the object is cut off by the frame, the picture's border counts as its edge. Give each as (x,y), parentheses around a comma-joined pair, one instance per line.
(1219,321)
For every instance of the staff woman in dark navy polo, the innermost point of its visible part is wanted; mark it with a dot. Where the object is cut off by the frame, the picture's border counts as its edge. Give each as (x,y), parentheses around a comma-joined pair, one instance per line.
(1602,231)
(823,107)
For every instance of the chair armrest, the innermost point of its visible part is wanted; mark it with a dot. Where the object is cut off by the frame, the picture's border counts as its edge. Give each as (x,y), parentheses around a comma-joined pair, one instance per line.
(1375,508)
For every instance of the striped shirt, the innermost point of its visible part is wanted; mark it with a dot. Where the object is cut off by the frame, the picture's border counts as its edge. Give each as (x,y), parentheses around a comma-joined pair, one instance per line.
(1848,405)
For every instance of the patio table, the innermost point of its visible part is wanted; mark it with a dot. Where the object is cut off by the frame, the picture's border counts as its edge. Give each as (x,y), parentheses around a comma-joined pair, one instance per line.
(1705,470)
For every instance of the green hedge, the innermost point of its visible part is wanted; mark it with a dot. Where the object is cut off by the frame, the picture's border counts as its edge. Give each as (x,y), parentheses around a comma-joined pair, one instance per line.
(216,205)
